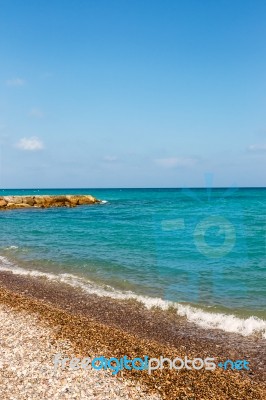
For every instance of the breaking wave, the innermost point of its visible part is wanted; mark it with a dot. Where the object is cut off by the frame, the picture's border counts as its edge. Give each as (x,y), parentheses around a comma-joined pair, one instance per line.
(208,320)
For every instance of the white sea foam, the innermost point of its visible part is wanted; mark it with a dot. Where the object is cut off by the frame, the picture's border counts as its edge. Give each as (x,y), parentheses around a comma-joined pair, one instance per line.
(11,248)
(228,323)
(104,201)
(204,319)
(85,285)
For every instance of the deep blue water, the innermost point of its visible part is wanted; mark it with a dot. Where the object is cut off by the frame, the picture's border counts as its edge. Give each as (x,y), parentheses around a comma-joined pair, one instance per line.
(200,246)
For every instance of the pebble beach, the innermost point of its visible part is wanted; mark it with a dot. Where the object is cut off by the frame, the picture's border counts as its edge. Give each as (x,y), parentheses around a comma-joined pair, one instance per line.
(39,320)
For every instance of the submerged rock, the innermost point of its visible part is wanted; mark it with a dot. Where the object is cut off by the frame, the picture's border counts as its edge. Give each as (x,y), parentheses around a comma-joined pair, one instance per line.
(10,202)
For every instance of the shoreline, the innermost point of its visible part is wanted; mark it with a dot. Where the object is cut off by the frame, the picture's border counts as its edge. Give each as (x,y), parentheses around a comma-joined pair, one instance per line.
(243,322)
(116,328)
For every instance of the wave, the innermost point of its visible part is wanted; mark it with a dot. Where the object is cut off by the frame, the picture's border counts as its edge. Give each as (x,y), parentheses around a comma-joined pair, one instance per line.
(228,323)
(208,320)
(86,285)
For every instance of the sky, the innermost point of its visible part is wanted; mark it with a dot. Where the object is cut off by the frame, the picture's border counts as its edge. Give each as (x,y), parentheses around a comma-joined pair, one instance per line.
(114,93)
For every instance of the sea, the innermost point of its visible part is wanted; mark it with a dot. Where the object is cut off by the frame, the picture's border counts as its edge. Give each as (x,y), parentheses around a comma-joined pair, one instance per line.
(199,252)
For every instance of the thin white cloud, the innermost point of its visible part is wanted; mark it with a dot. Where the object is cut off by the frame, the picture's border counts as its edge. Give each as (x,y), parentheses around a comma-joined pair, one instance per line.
(257,148)
(110,158)
(15,82)
(30,144)
(36,113)
(174,162)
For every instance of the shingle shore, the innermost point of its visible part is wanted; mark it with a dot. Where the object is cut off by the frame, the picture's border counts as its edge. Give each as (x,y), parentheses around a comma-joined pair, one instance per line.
(26,371)
(87,336)
(130,316)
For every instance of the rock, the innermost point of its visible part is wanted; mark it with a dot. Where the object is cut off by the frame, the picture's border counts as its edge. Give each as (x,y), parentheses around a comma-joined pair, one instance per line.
(17,205)
(13,199)
(86,200)
(11,205)
(3,203)
(22,205)
(43,201)
(61,199)
(30,200)
(73,200)
(46,201)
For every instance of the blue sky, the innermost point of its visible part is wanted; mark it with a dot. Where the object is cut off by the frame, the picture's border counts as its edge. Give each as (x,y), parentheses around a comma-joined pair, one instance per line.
(132,93)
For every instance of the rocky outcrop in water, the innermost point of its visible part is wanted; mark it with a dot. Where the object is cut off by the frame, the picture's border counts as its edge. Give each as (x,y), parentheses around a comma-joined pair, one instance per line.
(10,202)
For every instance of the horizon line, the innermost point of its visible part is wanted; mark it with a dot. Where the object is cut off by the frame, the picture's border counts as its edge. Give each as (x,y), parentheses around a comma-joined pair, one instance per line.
(135,188)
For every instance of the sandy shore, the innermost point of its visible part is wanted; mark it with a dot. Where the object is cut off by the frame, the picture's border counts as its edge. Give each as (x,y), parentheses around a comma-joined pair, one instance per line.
(40,319)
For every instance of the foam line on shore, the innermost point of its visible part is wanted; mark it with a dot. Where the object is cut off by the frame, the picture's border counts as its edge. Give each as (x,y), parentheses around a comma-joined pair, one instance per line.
(204,319)
(228,323)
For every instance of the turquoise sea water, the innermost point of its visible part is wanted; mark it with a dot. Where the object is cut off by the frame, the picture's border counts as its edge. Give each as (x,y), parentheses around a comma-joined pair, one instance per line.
(202,249)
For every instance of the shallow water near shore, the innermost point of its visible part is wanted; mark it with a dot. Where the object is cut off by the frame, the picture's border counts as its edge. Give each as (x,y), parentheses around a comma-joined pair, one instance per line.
(201,251)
